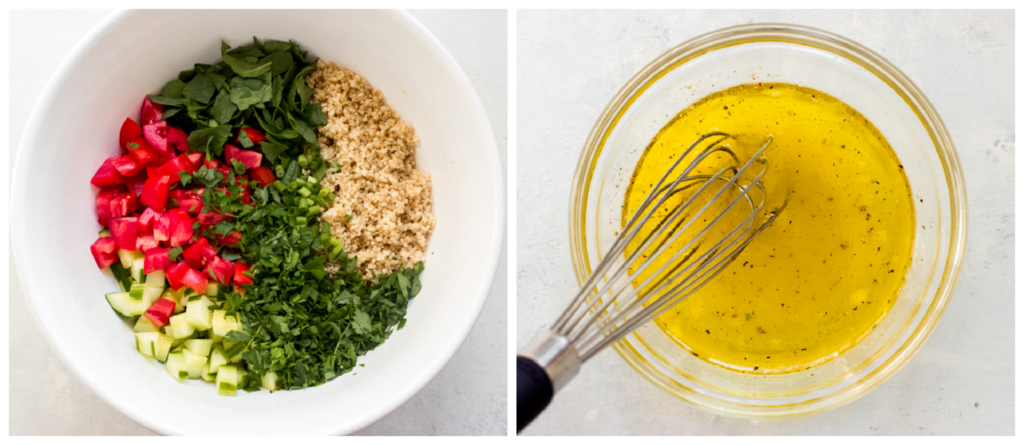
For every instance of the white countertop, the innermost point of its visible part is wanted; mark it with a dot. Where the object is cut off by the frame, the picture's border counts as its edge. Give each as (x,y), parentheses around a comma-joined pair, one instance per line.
(467,397)
(571,63)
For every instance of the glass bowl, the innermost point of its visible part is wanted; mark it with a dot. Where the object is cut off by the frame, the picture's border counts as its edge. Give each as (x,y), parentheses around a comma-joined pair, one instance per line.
(837,66)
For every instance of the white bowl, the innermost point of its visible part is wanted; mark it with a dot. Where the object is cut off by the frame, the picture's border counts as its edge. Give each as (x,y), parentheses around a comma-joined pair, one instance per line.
(74,127)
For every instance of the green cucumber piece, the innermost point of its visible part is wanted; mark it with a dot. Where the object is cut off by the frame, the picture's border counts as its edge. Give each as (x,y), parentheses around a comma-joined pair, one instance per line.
(123,276)
(156,278)
(194,364)
(180,327)
(212,289)
(206,373)
(233,351)
(199,346)
(217,358)
(136,292)
(104,233)
(222,323)
(198,312)
(127,257)
(138,265)
(227,381)
(144,325)
(176,366)
(269,381)
(123,304)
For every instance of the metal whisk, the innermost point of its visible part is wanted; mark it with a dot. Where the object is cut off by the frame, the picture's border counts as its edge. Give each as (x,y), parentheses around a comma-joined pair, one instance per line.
(706,220)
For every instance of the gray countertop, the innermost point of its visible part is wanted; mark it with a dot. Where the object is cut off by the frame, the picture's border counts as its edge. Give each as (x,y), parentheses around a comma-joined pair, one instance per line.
(468,396)
(571,63)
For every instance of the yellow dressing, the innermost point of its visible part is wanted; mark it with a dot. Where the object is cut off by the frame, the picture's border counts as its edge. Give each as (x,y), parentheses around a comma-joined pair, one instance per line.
(830,267)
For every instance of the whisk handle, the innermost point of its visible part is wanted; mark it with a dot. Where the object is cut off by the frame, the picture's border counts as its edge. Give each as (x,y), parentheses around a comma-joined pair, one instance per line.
(533,391)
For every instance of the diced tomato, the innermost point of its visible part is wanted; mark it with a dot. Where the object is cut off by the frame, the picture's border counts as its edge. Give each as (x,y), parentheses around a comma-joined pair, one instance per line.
(263,175)
(146,220)
(195,280)
(154,192)
(142,151)
(188,200)
(181,230)
(125,231)
(230,239)
(160,312)
(145,243)
(211,217)
(130,131)
(176,275)
(249,158)
(107,175)
(157,259)
(135,183)
(126,165)
(255,135)
(151,112)
(220,270)
(104,251)
(177,139)
(180,163)
(123,204)
(103,202)
(240,277)
(156,135)
(199,253)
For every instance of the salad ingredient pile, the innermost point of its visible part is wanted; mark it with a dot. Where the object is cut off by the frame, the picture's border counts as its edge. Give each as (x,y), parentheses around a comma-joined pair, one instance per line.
(213,231)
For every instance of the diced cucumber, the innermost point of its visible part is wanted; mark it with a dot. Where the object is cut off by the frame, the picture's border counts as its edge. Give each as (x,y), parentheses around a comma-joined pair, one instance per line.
(177,296)
(180,327)
(123,304)
(199,346)
(138,265)
(206,373)
(104,233)
(123,276)
(176,366)
(216,338)
(222,323)
(144,325)
(227,381)
(198,312)
(127,257)
(212,289)
(136,292)
(150,295)
(153,344)
(243,377)
(156,278)
(269,381)
(194,364)
(217,358)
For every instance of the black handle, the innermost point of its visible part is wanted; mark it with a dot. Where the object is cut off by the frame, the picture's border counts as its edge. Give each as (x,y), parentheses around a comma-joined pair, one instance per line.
(533,391)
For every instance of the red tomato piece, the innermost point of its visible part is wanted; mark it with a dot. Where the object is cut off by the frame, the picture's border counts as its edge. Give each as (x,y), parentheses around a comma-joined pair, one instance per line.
(199,253)
(221,270)
(195,280)
(188,200)
(254,135)
(135,183)
(103,202)
(123,204)
(146,220)
(241,278)
(211,217)
(154,192)
(126,165)
(160,312)
(104,251)
(181,230)
(144,152)
(230,239)
(263,175)
(145,243)
(130,131)
(177,139)
(107,175)
(176,275)
(249,158)
(151,112)
(125,231)
(156,135)
(180,163)
(157,259)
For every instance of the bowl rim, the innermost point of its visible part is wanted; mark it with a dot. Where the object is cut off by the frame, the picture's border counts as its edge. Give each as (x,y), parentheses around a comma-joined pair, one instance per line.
(816,38)
(488,153)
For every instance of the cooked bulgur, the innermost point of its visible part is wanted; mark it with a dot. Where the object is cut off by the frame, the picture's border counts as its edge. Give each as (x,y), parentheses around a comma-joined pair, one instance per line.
(383,211)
